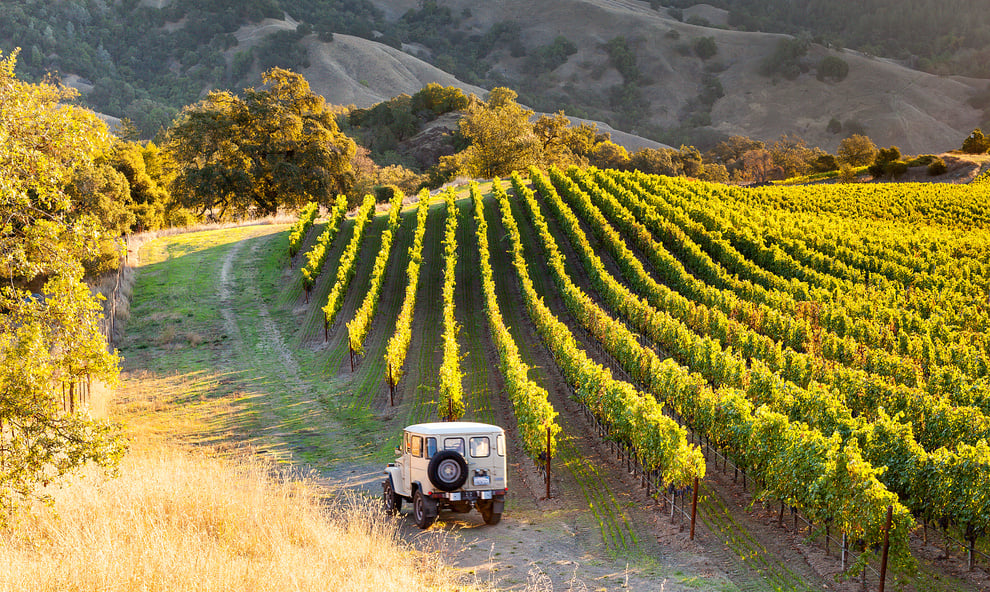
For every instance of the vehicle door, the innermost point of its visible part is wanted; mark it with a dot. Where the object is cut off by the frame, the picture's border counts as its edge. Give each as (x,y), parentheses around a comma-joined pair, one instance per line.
(418,462)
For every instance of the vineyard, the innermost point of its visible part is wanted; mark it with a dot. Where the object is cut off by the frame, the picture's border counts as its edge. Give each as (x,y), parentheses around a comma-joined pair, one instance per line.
(827,345)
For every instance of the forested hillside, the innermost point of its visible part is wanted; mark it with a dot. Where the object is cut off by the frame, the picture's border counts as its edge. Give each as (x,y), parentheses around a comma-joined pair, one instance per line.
(672,75)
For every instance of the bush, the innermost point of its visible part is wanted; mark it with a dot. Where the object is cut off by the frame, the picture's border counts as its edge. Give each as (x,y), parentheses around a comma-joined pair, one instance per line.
(922,160)
(833,68)
(937,167)
(825,163)
(385,193)
(976,143)
(857,150)
(705,47)
(785,59)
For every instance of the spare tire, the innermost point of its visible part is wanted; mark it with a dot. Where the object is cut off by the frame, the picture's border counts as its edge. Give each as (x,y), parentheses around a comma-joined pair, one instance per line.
(447,470)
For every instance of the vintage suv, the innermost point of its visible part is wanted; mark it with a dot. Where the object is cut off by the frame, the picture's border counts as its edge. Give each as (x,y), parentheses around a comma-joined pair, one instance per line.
(453,465)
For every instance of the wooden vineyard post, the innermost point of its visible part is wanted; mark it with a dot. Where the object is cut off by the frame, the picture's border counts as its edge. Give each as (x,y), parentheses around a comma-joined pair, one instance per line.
(391,387)
(694,507)
(548,462)
(350,350)
(845,551)
(971,559)
(886,548)
(326,328)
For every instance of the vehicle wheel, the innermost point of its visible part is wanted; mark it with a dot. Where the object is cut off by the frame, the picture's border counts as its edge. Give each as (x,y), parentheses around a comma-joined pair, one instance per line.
(391,500)
(447,470)
(424,510)
(488,512)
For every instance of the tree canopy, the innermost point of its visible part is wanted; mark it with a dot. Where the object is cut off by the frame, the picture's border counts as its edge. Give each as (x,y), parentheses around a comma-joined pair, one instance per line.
(501,136)
(275,147)
(48,341)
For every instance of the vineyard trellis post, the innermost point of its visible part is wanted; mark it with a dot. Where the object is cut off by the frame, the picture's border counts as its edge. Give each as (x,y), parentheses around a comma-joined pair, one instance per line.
(391,387)
(548,462)
(886,548)
(694,507)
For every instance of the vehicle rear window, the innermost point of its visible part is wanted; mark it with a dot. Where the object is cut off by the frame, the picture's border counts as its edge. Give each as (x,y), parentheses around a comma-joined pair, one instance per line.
(500,445)
(481,446)
(454,444)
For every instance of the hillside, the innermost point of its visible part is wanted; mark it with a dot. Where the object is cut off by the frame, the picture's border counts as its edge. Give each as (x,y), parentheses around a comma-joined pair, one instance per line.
(619,61)
(893,104)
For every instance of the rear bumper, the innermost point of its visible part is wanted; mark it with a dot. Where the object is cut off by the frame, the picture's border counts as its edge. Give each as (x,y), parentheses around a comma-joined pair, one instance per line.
(470,495)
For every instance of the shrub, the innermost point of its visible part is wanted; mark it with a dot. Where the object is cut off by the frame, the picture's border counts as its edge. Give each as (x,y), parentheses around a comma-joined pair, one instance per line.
(833,68)
(705,47)
(785,59)
(976,143)
(857,150)
(895,168)
(922,160)
(937,167)
(825,163)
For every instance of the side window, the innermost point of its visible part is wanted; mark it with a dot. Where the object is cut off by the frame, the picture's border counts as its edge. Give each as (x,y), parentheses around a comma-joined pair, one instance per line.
(500,445)
(417,446)
(431,447)
(454,444)
(480,446)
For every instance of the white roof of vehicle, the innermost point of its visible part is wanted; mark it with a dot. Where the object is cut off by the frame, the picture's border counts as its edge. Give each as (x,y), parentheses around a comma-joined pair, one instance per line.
(449,428)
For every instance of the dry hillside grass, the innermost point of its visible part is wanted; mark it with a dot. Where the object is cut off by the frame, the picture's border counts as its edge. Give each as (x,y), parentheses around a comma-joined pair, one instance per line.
(182,520)
(920,113)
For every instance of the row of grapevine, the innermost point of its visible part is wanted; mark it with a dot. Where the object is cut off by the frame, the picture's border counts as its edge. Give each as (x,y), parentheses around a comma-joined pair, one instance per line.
(905,284)
(358,327)
(317,255)
(943,381)
(937,485)
(635,420)
(862,318)
(729,419)
(530,403)
(297,232)
(719,313)
(450,403)
(346,270)
(937,422)
(398,344)
(831,319)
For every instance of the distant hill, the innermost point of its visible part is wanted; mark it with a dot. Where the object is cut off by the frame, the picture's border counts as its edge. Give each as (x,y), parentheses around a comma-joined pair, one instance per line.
(629,63)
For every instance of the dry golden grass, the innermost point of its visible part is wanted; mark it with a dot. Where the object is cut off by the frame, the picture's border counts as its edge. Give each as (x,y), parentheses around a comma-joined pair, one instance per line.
(181,520)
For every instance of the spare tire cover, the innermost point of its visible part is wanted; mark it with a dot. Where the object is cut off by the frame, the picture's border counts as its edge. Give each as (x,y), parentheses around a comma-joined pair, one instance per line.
(447,470)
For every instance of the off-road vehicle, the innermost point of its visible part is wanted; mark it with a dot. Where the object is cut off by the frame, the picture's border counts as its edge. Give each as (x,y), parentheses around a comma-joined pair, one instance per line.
(448,465)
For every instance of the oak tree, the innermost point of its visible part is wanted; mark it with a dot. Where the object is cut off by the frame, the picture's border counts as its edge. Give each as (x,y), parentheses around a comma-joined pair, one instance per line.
(275,147)
(49,337)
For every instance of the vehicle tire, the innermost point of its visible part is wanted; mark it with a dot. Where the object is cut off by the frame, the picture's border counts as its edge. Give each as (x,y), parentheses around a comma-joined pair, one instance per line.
(424,510)
(488,513)
(391,500)
(447,470)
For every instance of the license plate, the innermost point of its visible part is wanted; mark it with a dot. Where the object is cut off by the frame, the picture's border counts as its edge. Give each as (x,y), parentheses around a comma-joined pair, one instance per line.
(455,496)
(486,495)
(482,480)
